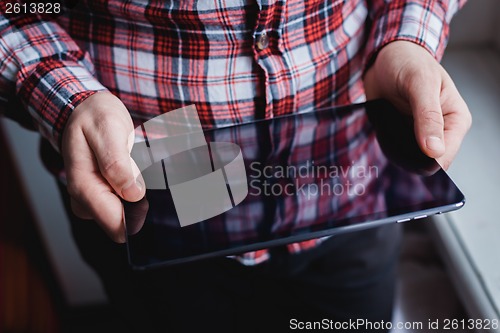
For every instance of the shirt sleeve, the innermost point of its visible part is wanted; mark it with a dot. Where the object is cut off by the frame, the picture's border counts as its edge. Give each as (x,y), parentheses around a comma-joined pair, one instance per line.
(424,22)
(43,70)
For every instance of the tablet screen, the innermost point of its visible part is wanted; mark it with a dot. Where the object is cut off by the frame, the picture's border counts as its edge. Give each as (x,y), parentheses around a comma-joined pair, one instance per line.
(273,182)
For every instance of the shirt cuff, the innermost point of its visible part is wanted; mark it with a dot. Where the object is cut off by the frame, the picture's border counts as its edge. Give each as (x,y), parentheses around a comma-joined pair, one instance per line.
(52,90)
(425,23)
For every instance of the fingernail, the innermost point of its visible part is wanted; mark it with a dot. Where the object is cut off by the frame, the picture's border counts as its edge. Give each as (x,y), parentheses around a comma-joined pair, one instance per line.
(120,238)
(139,184)
(132,190)
(434,143)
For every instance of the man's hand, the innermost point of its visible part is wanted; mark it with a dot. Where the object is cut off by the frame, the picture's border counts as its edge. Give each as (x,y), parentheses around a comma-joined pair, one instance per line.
(409,77)
(96,150)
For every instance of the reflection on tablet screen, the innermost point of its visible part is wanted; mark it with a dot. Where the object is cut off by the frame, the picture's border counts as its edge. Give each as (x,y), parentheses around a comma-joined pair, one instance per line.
(302,176)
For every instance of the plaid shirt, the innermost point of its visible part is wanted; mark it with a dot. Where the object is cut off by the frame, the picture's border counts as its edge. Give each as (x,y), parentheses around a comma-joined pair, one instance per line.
(236,60)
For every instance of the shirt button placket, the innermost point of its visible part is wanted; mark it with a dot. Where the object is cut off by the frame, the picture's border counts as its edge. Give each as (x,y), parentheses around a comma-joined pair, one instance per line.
(262,43)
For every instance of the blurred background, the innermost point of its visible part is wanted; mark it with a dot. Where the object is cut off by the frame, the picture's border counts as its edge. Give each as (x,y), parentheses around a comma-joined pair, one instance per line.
(449,266)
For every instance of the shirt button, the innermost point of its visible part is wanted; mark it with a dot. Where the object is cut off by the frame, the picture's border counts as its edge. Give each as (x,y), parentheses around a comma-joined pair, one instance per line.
(262,41)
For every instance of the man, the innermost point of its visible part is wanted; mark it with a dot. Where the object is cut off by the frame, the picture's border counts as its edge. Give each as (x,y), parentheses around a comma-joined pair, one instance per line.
(87,76)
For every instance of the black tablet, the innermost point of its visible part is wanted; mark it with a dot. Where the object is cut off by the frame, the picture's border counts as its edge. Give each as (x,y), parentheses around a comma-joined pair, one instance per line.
(251,186)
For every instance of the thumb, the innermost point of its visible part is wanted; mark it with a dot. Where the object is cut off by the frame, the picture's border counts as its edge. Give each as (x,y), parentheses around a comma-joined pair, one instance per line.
(111,146)
(424,99)
(118,168)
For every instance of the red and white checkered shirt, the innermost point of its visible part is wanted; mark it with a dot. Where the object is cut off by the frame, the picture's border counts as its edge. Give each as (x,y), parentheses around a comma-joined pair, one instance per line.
(236,60)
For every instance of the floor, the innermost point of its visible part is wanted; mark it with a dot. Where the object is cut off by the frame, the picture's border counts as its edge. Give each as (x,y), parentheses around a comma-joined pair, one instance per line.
(425,293)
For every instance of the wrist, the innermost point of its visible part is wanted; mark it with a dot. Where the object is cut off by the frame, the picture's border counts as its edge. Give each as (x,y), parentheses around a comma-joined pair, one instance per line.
(51,90)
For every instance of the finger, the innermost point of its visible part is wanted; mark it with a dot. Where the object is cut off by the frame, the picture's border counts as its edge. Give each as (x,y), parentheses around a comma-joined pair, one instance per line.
(92,194)
(110,144)
(424,98)
(96,198)
(80,211)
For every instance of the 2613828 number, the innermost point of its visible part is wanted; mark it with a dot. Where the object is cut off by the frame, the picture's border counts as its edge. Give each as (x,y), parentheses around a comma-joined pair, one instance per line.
(472,324)
(32,8)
